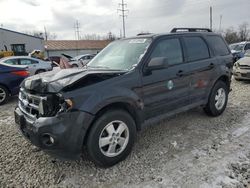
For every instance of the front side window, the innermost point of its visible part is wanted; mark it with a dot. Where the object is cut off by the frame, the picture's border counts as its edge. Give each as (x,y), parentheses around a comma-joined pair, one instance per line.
(219,46)
(25,62)
(196,48)
(121,54)
(11,61)
(170,49)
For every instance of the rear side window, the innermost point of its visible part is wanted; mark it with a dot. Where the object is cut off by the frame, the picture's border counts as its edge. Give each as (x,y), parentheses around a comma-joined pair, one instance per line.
(169,48)
(196,48)
(218,44)
(25,62)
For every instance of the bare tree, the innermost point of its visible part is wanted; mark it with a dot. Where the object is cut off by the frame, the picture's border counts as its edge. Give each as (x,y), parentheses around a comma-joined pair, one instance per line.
(50,36)
(244,31)
(231,36)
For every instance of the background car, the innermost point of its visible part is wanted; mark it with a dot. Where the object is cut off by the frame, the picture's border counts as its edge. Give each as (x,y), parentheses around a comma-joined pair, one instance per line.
(241,69)
(239,49)
(81,60)
(35,66)
(11,77)
(54,59)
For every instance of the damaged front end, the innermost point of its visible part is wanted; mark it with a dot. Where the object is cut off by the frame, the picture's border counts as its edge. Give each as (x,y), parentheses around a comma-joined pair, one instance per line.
(49,118)
(36,106)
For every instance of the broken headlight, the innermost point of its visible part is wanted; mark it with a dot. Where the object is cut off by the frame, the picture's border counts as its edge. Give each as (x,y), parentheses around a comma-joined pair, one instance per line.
(53,105)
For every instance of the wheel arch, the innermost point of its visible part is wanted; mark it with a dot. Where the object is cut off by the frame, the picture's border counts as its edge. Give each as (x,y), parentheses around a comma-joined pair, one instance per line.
(40,70)
(4,85)
(126,106)
(225,79)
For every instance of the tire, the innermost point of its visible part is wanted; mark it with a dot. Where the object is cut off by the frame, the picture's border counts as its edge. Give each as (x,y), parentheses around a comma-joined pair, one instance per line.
(40,71)
(216,107)
(101,152)
(4,95)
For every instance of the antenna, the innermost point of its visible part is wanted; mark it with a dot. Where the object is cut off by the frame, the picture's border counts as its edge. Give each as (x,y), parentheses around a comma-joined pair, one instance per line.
(123,15)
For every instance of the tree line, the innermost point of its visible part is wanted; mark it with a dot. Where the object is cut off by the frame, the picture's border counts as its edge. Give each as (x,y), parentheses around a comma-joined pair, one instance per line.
(232,35)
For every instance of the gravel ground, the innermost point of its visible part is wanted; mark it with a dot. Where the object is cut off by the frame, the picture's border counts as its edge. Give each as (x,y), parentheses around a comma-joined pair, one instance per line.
(188,150)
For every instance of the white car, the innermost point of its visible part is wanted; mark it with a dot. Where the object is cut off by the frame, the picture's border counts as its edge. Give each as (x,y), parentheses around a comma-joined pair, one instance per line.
(81,60)
(241,69)
(35,66)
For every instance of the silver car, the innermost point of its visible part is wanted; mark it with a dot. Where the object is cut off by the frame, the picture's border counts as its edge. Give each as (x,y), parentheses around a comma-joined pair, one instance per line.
(241,69)
(81,60)
(35,66)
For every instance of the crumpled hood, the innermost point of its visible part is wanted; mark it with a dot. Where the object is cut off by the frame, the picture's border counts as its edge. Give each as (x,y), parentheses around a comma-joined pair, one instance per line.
(54,81)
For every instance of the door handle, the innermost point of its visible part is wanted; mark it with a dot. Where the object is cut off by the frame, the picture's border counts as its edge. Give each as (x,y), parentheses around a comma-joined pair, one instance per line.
(180,73)
(211,66)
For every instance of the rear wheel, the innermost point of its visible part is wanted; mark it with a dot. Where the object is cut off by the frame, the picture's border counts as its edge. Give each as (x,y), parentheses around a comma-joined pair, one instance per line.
(111,138)
(4,95)
(217,101)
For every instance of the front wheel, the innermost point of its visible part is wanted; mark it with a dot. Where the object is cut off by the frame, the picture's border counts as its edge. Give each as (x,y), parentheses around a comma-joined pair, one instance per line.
(217,101)
(111,138)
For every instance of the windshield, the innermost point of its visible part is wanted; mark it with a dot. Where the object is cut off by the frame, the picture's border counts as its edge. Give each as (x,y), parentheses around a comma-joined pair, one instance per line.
(239,47)
(233,46)
(121,55)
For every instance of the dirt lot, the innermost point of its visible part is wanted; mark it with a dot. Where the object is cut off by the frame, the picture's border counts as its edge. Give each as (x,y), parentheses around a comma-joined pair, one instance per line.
(188,150)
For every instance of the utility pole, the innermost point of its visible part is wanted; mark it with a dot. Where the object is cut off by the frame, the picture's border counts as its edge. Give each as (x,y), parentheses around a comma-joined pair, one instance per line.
(77,30)
(45,33)
(220,22)
(123,15)
(77,34)
(211,17)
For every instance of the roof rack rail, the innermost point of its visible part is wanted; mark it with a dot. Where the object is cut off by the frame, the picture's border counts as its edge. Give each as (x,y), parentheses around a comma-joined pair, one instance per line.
(175,30)
(139,34)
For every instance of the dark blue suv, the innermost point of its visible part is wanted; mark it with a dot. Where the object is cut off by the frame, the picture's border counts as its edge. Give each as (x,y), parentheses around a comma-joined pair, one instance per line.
(10,80)
(130,84)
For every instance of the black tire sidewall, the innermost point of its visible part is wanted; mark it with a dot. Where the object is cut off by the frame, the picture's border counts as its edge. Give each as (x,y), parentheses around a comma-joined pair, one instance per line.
(7,94)
(211,103)
(93,138)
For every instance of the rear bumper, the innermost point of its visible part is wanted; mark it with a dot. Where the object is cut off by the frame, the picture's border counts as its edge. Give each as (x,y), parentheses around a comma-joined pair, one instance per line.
(62,135)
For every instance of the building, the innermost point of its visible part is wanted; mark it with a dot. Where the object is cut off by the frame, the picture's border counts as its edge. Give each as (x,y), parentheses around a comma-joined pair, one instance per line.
(19,43)
(74,47)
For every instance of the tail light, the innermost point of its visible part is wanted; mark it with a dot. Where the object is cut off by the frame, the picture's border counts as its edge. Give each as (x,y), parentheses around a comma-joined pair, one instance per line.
(23,73)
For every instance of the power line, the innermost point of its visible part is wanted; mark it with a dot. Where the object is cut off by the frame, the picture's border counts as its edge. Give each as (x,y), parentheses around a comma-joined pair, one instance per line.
(123,15)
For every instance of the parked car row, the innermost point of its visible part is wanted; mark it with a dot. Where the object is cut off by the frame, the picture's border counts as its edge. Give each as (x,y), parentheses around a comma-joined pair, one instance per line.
(241,69)
(11,77)
(35,66)
(238,49)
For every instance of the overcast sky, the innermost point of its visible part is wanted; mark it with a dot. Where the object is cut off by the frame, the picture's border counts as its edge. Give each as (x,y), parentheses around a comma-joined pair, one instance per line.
(100,16)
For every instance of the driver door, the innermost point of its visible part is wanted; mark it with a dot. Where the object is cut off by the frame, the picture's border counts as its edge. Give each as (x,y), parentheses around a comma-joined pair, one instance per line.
(166,90)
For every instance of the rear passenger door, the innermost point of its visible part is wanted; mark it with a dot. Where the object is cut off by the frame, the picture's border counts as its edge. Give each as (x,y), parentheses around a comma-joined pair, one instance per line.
(32,65)
(167,89)
(200,67)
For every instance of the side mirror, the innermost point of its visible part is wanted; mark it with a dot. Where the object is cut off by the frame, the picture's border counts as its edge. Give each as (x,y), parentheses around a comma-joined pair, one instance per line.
(157,63)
